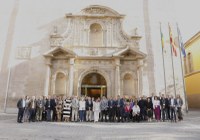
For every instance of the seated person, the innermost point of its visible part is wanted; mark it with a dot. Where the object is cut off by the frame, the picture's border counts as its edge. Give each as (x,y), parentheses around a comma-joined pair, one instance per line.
(127,113)
(136,113)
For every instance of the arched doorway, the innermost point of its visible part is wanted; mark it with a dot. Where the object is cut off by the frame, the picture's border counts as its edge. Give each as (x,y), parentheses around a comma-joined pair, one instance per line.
(94,85)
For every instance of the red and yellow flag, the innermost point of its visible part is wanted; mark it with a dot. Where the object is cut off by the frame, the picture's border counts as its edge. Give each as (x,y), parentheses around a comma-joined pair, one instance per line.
(172,42)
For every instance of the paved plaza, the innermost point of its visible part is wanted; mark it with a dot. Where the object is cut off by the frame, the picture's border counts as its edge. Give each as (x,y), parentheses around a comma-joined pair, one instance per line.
(188,129)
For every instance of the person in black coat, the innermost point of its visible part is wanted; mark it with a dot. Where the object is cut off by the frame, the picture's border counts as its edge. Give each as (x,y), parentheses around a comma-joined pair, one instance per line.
(89,109)
(163,107)
(149,107)
(111,109)
(21,106)
(142,105)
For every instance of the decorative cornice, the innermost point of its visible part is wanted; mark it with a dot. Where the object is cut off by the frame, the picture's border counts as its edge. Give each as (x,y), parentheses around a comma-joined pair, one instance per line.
(192,39)
(190,74)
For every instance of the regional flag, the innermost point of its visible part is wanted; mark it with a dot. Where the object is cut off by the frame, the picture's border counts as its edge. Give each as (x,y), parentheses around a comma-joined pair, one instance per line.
(181,42)
(162,37)
(172,42)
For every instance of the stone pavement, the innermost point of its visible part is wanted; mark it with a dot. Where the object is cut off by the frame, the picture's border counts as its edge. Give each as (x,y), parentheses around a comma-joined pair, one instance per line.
(188,129)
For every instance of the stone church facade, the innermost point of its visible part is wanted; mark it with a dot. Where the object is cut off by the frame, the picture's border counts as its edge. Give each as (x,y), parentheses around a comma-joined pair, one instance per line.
(93,56)
(87,53)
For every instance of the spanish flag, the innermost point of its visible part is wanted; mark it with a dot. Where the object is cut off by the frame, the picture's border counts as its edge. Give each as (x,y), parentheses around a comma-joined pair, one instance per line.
(172,43)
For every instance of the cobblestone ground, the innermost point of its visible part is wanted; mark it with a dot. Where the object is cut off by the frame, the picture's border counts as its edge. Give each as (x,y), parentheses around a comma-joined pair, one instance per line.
(188,129)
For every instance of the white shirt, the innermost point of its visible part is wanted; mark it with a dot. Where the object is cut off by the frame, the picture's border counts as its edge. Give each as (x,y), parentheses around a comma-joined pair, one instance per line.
(81,105)
(156,103)
(96,106)
(136,109)
(23,103)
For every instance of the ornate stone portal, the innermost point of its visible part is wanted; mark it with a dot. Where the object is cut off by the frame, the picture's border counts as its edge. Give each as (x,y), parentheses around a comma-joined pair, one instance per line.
(93,56)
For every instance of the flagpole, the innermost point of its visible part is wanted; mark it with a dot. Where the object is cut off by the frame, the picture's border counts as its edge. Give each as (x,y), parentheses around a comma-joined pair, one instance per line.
(163,61)
(186,103)
(172,63)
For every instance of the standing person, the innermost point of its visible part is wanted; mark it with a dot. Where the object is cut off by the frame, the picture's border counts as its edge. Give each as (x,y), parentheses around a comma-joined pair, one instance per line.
(93,111)
(149,110)
(179,107)
(27,109)
(21,106)
(96,109)
(120,108)
(66,109)
(163,108)
(53,104)
(136,112)
(32,106)
(142,105)
(167,107)
(75,106)
(111,109)
(82,109)
(39,108)
(48,108)
(156,107)
(59,108)
(89,109)
(104,108)
(173,105)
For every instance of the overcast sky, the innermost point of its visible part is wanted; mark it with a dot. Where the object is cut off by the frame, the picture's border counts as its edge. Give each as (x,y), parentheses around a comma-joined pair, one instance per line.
(34,15)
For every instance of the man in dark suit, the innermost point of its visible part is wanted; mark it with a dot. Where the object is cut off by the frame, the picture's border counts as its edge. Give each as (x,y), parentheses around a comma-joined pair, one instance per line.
(163,109)
(21,106)
(111,109)
(89,108)
(167,107)
(120,109)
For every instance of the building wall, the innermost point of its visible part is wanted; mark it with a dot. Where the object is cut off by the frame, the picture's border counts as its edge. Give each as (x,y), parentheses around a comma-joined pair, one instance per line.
(192,79)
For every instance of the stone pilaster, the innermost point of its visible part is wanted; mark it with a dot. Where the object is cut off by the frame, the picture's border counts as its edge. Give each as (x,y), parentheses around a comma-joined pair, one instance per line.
(48,76)
(117,76)
(140,77)
(71,76)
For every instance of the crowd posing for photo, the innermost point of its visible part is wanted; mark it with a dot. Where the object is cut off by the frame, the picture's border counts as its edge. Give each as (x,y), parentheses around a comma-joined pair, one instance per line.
(87,109)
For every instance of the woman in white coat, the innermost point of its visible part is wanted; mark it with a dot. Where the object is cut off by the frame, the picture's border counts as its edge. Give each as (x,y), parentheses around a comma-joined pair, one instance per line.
(96,109)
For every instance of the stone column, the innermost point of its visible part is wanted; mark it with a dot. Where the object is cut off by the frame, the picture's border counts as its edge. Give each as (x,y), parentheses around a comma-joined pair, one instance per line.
(71,76)
(48,76)
(140,77)
(117,76)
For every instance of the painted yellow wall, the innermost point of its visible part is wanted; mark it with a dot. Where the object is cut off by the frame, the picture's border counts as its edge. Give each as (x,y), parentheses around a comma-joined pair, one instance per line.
(192,80)
(194,48)
(193,84)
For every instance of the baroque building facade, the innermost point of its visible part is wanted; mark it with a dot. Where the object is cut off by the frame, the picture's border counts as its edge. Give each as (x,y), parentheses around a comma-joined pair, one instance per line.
(93,56)
(87,53)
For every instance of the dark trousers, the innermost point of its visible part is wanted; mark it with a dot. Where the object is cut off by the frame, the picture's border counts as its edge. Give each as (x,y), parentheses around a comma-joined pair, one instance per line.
(168,113)
(180,116)
(32,115)
(163,112)
(120,114)
(127,116)
(20,115)
(136,118)
(104,115)
(143,114)
(111,113)
(173,114)
(54,116)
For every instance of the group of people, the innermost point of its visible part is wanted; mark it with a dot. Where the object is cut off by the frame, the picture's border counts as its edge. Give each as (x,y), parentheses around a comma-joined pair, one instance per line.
(81,109)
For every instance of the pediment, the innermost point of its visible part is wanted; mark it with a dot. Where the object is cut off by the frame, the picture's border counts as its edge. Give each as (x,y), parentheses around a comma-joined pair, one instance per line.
(59,52)
(99,10)
(130,53)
